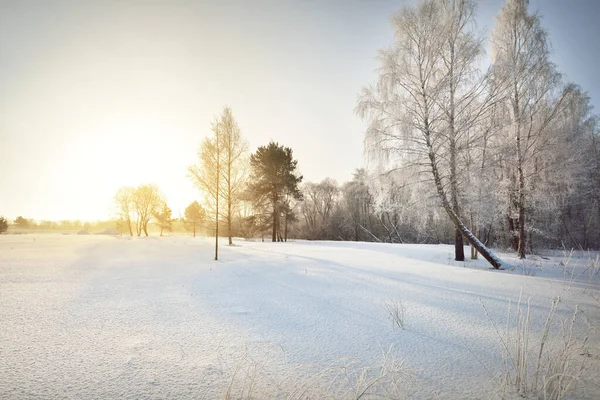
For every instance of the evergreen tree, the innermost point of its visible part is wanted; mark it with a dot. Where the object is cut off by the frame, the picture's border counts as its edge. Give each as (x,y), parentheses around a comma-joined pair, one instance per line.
(194,216)
(163,218)
(22,222)
(3,225)
(274,177)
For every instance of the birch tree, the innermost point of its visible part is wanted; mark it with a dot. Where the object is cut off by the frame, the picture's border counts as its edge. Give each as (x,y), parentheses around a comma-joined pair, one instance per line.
(124,202)
(465,96)
(520,50)
(234,167)
(408,110)
(207,175)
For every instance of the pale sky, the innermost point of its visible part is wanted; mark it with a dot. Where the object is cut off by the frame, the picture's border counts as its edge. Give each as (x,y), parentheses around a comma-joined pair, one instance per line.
(95,95)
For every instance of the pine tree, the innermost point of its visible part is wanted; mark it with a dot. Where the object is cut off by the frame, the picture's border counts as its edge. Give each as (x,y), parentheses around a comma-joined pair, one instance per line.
(273,177)
(194,216)
(163,218)
(3,225)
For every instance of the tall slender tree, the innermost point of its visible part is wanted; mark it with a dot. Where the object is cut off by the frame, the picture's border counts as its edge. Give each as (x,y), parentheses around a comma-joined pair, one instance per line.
(463,100)
(234,167)
(520,49)
(207,175)
(124,202)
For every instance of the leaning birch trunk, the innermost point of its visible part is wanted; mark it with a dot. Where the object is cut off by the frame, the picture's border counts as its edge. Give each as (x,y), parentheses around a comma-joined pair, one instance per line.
(467,234)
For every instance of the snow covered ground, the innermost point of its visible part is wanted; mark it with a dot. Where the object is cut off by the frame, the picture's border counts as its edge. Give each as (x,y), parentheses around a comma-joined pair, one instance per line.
(106,317)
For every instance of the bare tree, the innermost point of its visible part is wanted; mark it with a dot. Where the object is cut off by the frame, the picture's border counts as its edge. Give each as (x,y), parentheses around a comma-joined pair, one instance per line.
(124,201)
(147,200)
(318,204)
(234,167)
(207,175)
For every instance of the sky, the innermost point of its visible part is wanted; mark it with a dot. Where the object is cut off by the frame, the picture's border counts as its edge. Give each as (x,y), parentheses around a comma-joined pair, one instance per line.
(95,95)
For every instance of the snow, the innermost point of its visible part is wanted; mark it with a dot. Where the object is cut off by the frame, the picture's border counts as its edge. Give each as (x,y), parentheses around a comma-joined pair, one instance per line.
(109,317)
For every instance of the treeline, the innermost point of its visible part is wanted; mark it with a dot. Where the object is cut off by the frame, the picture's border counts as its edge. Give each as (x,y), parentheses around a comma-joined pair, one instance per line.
(22,224)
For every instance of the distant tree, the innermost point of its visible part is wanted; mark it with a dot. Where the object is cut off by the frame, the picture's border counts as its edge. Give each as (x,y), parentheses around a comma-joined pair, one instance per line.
(3,225)
(194,216)
(124,201)
(147,199)
(21,222)
(357,202)
(290,216)
(119,225)
(46,224)
(163,218)
(274,177)
(66,224)
(317,205)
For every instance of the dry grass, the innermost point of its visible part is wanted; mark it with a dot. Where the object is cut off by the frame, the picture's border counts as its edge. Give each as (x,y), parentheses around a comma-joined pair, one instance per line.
(395,308)
(255,375)
(547,365)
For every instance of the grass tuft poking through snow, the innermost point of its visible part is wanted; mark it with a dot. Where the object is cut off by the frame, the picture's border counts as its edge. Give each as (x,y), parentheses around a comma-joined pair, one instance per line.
(396,310)
(546,366)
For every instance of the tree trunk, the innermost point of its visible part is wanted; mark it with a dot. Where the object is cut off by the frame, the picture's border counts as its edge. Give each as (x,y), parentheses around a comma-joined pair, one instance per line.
(473,249)
(285,230)
(459,247)
(274,235)
(194,229)
(129,226)
(161,231)
(229,194)
(217,188)
(481,248)
(522,235)
(485,252)
(521,174)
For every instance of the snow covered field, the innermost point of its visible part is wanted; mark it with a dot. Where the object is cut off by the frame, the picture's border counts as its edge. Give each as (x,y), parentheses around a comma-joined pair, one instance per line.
(104,317)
